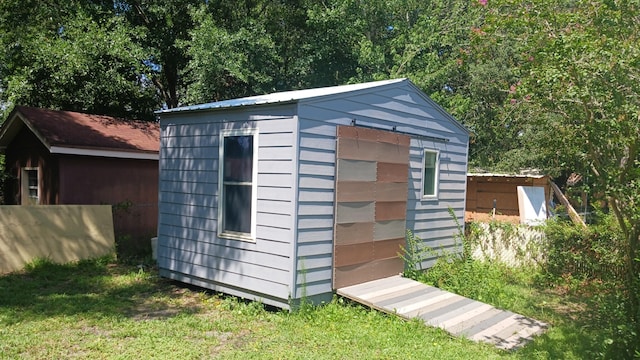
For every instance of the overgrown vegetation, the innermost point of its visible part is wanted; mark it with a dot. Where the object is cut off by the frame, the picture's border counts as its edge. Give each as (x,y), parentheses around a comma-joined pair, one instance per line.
(584,266)
(458,272)
(591,262)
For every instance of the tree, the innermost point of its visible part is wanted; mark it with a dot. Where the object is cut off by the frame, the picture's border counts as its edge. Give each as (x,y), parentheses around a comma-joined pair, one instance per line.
(439,45)
(160,26)
(580,69)
(228,63)
(72,57)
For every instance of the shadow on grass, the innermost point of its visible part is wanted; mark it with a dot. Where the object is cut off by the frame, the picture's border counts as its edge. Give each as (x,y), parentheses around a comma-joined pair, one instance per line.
(561,342)
(573,331)
(95,288)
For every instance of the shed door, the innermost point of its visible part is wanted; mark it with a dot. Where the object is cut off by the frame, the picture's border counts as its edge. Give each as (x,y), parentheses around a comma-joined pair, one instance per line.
(371,204)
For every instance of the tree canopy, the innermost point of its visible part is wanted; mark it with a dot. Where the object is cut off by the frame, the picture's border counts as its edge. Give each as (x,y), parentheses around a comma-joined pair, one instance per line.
(579,67)
(521,77)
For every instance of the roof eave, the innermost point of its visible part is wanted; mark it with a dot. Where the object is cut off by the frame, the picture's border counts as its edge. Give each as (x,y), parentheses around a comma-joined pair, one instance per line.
(295,97)
(203,108)
(101,152)
(12,127)
(501,175)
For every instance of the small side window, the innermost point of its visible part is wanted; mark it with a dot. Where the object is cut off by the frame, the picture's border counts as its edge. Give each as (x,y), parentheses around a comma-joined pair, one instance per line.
(30,193)
(237,187)
(430,166)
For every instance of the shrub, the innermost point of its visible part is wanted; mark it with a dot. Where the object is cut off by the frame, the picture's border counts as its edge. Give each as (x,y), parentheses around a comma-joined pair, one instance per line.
(592,260)
(457,271)
(584,254)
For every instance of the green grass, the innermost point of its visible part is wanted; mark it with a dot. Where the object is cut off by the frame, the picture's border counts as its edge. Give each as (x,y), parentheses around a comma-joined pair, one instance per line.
(102,309)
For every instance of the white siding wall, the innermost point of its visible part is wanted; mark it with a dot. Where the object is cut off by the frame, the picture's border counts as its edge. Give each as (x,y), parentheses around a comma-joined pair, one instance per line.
(397,105)
(316,187)
(430,219)
(189,249)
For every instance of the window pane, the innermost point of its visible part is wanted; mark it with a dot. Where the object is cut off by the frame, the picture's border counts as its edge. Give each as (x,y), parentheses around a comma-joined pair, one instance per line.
(32,183)
(237,208)
(429,179)
(238,158)
(33,178)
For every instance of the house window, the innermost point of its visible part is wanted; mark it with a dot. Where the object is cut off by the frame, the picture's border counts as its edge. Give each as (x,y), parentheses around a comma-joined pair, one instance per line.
(237,185)
(30,186)
(430,165)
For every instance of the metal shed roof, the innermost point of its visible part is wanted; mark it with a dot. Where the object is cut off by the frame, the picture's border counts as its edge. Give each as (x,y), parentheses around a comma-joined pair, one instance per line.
(532,176)
(285,96)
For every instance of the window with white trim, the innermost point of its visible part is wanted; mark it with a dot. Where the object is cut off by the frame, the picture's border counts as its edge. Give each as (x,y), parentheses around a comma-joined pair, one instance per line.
(237,185)
(430,166)
(30,186)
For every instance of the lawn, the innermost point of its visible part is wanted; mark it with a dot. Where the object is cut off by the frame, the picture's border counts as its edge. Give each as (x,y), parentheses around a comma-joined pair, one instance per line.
(103,309)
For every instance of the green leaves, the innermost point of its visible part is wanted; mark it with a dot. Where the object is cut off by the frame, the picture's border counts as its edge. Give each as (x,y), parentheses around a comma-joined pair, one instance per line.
(79,64)
(226,64)
(584,89)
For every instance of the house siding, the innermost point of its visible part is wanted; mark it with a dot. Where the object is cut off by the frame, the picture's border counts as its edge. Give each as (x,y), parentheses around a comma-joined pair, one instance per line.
(189,249)
(316,193)
(93,180)
(430,220)
(400,106)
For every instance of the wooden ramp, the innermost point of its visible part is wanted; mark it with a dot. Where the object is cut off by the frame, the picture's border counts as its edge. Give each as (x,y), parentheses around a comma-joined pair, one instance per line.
(455,314)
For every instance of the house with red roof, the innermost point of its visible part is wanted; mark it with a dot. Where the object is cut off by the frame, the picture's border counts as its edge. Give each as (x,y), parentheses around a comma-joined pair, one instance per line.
(61,157)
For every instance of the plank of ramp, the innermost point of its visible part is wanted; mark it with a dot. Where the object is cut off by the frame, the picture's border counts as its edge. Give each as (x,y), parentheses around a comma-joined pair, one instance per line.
(429,305)
(460,314)
(359,289)
(406,296)
(496,316)
(521,337)
(455,314)
(388,290)
(489,333)
(396,296)
(472,320)
(376,287)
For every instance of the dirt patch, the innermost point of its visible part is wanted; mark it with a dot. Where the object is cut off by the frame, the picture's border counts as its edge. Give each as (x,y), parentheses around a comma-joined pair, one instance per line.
(572,308)
(228,341)
(152,312)
(96,331)
(168,302)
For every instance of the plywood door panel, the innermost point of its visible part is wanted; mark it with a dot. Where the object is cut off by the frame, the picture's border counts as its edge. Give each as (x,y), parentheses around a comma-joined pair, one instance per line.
(393,173)
(353,254)
(390,210)
(371,204)
(375,269)
(391,191)
(356,170)
(354,212)
(353,191)
(383,230)
(353,233)
(386,249)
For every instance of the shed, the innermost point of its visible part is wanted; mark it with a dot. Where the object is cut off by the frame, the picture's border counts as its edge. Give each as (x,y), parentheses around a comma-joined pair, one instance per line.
(292,195)
(62,157)
(494,196)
